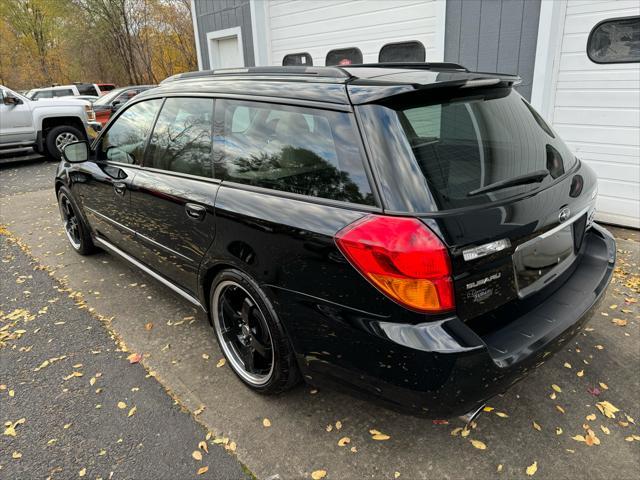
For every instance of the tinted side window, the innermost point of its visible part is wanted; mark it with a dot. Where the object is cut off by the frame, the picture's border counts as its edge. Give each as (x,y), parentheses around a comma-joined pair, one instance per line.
(615,41)
(292,149)
(124,142)
(182,138)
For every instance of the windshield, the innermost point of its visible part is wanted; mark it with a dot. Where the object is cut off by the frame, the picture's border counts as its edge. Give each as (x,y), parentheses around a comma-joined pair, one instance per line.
(107,98)
(469,143)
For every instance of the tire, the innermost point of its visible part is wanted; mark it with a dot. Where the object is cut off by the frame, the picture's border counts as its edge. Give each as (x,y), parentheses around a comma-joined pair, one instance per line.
(236,299)
(76,229)
(59,136)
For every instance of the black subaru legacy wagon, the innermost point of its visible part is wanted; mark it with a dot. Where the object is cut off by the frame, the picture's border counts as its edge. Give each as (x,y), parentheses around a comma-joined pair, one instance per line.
(412,233)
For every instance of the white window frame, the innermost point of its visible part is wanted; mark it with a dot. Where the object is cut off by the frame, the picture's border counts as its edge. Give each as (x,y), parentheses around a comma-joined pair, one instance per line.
(212,45)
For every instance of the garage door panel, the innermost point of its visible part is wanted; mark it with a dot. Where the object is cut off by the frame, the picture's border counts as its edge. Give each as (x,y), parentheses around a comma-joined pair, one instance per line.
(618,211)
(316,27)
(599,133)
(329,38)
(598,74)
(351,14)
(614,172)
(597,110)
(398,17)
(595,6)
(598,116)
(597,98)
(580,22)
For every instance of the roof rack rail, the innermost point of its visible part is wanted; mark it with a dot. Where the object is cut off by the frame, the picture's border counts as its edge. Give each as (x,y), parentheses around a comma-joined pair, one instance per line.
(413,65)
(325,72)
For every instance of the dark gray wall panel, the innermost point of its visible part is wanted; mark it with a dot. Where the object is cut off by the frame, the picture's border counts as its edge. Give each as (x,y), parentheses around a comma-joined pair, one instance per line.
(213,15)
(494,36)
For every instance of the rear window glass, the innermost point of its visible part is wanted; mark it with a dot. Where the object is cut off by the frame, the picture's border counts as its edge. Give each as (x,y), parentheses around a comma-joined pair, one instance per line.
(291,149)
(467,144)
(87,89)
(42,94)
(65,92)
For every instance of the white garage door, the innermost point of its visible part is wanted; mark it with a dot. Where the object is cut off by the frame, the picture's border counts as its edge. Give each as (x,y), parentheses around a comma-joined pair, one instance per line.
(597,110)
(318,26)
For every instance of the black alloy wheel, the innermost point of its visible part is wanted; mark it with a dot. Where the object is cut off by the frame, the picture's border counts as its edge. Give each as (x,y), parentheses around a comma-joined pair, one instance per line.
(250,334)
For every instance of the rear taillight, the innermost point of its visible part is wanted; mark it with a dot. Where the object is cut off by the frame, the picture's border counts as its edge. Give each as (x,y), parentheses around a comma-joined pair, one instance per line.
(403,259)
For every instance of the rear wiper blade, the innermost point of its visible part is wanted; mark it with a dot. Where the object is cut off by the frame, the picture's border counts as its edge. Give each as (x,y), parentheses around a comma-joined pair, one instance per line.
(533,177)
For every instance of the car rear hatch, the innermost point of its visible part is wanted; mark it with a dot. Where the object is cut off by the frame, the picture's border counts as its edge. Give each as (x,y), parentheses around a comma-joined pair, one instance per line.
(493,180)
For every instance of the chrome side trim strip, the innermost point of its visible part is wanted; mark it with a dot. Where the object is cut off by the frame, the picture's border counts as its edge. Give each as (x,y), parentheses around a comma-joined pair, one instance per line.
(110,220)
(166,249)
(148,271)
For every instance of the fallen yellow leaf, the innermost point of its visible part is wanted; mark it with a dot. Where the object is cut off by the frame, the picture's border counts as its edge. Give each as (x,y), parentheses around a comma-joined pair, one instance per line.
(560,409)
(532,469)
(203,446)
(567,365)
(396,474)
(478,444)
(196,455)
(607,409)
(499,469)
(122,405)
(537,427)
(487,409)
(82,472)
(456,431)
(556,388)
(338,425)
(266,422)
(591,417)
(580,373)
(605,430)
(148,326)
(619,322)
(318,474)
(502,414)
(16,455)
(603,386)
(202,470)
(132,412)
(380,437)
(221,363)
(578,438)
(344,441)
(558,431)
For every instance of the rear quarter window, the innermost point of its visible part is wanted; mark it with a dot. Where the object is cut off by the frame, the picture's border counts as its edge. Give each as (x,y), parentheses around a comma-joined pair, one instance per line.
(292,149)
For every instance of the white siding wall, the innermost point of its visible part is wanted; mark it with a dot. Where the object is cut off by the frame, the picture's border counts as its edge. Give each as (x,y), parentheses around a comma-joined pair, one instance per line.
(317,26)
(596,109)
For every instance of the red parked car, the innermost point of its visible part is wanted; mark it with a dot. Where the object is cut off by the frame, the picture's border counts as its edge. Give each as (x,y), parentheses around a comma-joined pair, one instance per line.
(113,100)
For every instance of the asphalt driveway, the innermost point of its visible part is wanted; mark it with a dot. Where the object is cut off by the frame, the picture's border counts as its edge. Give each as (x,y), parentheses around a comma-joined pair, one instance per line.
(534,423)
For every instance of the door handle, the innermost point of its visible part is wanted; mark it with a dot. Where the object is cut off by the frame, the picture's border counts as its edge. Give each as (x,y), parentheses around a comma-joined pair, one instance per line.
(120,188)
(195,211)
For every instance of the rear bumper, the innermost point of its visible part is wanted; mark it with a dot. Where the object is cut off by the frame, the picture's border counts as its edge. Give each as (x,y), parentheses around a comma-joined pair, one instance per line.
(443,369)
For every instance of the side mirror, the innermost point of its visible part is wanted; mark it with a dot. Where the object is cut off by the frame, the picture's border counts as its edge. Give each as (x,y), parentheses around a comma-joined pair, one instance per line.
(76,152)
(116,105)
(9,99)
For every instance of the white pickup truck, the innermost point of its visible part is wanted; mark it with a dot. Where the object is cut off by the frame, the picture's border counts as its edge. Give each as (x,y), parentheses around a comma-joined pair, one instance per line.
(44,125)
